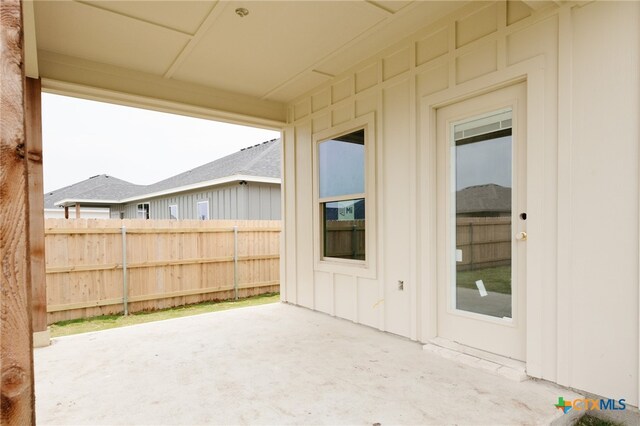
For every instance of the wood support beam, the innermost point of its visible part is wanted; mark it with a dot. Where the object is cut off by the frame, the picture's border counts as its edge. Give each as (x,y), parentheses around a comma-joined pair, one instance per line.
(33,129)
(77,211)
(16,349)
(66,212)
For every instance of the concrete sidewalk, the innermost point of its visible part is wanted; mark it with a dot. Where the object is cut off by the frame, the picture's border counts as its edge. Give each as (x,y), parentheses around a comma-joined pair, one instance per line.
(271,364)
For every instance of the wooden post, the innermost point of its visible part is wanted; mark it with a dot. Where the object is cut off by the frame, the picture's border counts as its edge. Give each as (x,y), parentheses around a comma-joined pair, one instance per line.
(16,351)
(33,129)
(471,246)
(125,282)
(235,261)
(66,212)
(77,211)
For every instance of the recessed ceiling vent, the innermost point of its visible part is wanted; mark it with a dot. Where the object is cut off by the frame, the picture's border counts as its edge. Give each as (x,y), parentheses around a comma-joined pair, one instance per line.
(242,12)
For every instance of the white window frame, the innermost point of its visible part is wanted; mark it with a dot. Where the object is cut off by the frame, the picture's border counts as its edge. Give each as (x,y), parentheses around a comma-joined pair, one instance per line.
(198,209)
(363,268)
(177,212)
(139,211)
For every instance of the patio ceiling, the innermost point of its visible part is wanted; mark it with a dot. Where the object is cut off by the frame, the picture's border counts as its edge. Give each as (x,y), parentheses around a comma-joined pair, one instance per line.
(188,51)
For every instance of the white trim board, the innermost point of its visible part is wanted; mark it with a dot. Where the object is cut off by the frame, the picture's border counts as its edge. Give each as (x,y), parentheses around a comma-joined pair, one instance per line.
(199,185)
(531,71)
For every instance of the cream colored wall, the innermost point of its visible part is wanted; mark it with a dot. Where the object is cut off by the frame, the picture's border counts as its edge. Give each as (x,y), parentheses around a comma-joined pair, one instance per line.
(602,201)
(582,66)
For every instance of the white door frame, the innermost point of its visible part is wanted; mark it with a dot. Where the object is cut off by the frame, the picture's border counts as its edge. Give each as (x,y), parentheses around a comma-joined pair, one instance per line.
(531,71)
(469,327)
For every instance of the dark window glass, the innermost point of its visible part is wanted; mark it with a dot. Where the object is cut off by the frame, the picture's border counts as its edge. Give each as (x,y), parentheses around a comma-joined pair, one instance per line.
(143,211)
(344,229)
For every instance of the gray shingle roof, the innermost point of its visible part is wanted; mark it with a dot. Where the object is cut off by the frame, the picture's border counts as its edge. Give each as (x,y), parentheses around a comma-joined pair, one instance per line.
(483,198)
(261,160)
(101,187)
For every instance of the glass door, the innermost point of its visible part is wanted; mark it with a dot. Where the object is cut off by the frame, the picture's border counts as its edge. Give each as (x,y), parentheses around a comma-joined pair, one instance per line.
(481,221)
(481,206)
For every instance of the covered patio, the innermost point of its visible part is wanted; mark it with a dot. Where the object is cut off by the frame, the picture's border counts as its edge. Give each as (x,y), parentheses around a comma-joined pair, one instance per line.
(271,364)
(398,80)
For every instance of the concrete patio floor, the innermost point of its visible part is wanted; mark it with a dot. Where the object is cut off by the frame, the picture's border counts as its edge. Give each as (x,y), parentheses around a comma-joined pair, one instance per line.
(271,364)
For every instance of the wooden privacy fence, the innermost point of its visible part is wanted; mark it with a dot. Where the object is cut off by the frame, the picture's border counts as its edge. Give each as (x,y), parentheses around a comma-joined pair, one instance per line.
(167,263)
(345,238)
(485,242)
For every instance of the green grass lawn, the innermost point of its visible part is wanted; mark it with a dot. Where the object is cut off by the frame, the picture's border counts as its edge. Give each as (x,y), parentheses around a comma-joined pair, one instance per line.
(588,420)
(104,322)
(496,279)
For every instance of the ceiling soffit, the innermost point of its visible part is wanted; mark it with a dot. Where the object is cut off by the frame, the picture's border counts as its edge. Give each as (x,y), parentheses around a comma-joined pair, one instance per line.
(75,29)
(274,43)
(275,53)
(184,15)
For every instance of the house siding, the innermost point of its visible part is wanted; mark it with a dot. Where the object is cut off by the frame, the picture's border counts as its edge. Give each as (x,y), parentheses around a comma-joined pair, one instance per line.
(262,202)
(115,210)
(253,201)
(582,181)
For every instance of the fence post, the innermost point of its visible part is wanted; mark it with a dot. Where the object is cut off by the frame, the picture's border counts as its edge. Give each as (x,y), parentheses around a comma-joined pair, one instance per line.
(353,242)
(125,284)
(235,261)
(471,246)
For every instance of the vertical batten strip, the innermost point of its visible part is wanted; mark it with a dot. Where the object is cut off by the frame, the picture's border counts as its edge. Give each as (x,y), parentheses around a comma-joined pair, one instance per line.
(332,279)
(564,291)
(284,282)
(291,215)
(413,201)
(380,201)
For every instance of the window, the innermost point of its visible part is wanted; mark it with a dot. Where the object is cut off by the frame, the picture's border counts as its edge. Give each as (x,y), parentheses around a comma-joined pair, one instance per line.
(341,189)
(143,211)
(173,211)
(344,198)
(203,210)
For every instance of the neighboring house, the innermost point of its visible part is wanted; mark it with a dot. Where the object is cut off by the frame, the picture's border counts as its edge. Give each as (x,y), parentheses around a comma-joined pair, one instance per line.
(85,213)
(85,197)
(488,200)
(244,185)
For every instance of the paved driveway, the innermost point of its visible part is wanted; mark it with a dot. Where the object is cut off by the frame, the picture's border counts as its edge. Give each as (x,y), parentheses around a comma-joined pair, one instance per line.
(272,364)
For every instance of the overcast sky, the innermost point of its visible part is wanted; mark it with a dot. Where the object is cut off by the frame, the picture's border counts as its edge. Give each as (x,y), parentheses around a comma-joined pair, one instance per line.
(484,162)
(85,138)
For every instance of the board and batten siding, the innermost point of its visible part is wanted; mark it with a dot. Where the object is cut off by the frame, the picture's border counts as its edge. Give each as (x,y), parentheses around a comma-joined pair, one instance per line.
(253,201)
(580,62)
(130,210)
(115,210)
(263,201)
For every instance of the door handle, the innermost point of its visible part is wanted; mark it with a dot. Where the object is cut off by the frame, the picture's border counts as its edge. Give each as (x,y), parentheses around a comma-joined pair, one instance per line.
(521,236)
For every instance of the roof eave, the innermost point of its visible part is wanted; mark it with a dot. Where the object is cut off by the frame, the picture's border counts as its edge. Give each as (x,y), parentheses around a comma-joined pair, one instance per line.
(67,202)
(199,185)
